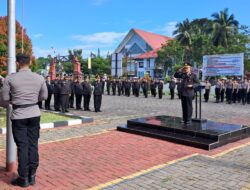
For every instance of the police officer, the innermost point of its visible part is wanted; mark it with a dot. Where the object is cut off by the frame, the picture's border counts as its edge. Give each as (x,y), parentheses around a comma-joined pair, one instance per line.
(57,99)
(78,91)
(119,87)
(97,94)
(144,86)
(103,84)
(160,88)
(23,90)
(114,87)
(229,91)
(223,89)
(50,88)
(207,90)
(248,92)
(188,84)
(65,92)
(218,90)
(127,87)
(235,86)
(137,88)
(172,85)
(71,97)
(244,88)
(153,88)
(86,93)
(108,85)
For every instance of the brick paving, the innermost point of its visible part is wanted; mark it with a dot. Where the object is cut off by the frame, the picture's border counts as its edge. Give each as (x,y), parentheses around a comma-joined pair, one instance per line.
(231,171)
(88,161)
(85,162)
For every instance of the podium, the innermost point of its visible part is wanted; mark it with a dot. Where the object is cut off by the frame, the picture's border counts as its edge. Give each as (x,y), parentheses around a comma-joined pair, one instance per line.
(198,98)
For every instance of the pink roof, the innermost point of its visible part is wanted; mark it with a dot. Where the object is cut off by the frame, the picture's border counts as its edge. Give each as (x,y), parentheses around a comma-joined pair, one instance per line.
(153,40)
(150,54)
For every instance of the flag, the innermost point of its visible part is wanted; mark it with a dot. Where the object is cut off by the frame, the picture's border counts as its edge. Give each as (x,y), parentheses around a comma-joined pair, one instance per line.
(89,63)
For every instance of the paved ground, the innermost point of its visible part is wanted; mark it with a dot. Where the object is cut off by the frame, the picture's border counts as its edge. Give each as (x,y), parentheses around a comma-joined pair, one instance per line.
(80,159)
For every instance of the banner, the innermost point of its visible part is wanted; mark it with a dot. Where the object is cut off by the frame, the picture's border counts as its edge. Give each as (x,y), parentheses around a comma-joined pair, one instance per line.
(116,64)
(223,65)
(89,63)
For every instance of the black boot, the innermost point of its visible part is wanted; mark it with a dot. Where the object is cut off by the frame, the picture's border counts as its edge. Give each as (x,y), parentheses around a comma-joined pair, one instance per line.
(20,181)
(32,176)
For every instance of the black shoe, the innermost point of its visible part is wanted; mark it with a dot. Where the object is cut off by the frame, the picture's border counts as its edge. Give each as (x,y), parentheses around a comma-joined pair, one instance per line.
(22,182)
(99,111)
(66,110)
(96,110)
(32,179)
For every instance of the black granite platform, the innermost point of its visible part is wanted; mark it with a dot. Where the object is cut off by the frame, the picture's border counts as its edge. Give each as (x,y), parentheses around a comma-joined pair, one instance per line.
(206,135)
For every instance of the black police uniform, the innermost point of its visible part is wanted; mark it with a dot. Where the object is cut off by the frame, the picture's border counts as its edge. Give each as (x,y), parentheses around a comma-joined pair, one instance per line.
(160,89)
(119,88)
(65,91)
(144,86)
(97,96)
(56,84)
(137,88)
(114,87)
(187,94)
(153,88)
(78,91)
(86,94)
(172,85)
(108,86)
(127,88)
(50,88)
(71,98)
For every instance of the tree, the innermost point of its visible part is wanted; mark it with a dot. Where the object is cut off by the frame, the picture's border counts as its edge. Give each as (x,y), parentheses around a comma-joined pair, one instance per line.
(184,37)
(224,27)
(170,54)
(27,45)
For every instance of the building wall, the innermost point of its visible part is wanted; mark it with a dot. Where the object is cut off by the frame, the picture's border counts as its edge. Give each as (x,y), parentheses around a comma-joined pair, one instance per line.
(141,46)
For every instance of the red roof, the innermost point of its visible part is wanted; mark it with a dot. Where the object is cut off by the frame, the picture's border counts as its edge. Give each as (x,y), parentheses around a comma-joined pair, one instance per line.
(150,54)
(153,40)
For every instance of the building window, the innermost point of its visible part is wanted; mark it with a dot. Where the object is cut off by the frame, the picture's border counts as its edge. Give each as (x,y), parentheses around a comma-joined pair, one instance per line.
(141,64)
(148,63)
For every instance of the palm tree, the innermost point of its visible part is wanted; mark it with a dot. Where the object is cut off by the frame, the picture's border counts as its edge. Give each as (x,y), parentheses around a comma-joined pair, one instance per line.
(224,27)
(183,34)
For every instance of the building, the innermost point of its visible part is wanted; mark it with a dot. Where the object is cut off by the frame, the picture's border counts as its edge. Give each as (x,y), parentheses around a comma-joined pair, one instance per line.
(139,48)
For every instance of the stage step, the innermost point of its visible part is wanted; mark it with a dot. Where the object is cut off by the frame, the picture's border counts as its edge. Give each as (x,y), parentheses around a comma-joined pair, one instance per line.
(207,135)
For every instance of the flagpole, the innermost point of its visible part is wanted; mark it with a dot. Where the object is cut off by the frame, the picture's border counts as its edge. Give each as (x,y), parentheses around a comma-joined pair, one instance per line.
(11,147)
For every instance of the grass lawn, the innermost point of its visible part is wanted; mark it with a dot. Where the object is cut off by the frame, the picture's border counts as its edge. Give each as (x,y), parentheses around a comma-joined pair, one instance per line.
(45,118)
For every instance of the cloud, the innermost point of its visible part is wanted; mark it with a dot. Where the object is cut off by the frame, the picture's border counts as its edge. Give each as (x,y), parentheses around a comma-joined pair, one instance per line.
(38,35)
(105,41)
(168,28)
(102,38)
(44,52)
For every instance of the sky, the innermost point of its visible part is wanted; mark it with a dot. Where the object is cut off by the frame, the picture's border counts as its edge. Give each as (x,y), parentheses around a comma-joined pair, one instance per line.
(55,26)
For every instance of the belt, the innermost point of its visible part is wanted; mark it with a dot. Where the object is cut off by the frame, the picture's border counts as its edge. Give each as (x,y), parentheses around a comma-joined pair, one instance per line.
(23,106)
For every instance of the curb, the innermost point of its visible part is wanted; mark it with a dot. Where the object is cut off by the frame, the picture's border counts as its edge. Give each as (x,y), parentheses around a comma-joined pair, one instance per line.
(76,120)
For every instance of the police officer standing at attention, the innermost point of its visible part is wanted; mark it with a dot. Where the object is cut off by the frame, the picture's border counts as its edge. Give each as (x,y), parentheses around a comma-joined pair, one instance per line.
(23,90)
(86,93)
(207,90)
(71,98)
(56,84)
(65,92)
(188,84)
(172,85)
(160,88)
(97,94)
(50,88)
(78,91)
(144,86)
(108,86)
(114,87)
